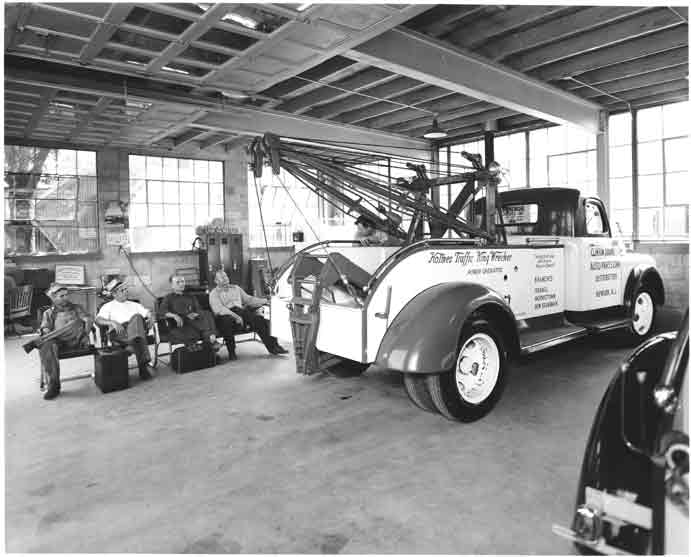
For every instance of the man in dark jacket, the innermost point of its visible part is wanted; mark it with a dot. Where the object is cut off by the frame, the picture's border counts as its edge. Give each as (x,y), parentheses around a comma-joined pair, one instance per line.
(193,323)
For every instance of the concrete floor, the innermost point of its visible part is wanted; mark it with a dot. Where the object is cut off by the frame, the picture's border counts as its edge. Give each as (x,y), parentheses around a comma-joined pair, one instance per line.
(249,457)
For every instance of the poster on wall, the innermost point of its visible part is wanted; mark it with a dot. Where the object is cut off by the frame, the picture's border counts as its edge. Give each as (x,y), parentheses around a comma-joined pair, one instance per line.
(69,274)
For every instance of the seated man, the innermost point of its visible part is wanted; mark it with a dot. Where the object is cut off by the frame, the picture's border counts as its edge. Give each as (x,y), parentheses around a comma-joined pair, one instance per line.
(64,325)
(127,324)
(193,323)
(232,305)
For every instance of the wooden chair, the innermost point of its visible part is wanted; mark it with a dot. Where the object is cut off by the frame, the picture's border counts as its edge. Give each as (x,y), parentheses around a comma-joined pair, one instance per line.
(18,303)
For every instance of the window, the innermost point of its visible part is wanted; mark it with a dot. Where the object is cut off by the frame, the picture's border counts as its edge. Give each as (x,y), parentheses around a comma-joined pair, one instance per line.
(50,201)
(663,190)
(170,197)
(594,225)
(510,153)
(620,170)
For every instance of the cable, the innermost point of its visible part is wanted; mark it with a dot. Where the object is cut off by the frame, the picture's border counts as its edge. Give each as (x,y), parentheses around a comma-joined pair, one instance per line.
(261,216)
(628,104)
(122,250)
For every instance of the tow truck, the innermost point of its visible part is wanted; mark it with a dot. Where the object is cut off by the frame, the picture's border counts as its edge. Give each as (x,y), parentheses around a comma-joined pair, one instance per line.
(529,269)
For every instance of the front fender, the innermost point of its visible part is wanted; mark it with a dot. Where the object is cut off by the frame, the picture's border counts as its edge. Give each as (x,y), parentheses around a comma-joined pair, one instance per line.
(423,337)
(640,275)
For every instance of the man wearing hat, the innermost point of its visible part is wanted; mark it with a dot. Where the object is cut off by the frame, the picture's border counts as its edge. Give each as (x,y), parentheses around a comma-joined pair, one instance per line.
(368,235)
(127,323)
(76,323)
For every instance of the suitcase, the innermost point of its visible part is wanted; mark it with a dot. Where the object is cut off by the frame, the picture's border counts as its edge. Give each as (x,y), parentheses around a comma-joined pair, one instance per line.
(184,360)
(111,372)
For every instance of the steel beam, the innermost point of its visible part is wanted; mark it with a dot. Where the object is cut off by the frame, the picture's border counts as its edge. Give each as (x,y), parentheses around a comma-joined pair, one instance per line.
(222,117)
(428,60)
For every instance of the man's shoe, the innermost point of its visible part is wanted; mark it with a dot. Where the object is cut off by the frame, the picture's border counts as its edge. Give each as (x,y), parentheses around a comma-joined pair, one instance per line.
(51,393)
(144,373)
(278,349)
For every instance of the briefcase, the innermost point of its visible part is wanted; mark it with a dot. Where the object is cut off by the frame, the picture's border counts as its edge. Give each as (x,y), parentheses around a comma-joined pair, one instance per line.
(184,359)
(110,369)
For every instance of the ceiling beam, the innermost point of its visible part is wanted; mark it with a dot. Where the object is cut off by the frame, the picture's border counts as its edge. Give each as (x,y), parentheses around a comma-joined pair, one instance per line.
(116,14)
(633,68)
(648,91)
(46,98)
(628,50)
(231,118)
(558,28)
(16,18)
(462,111)
(187,137)
(440,24)
(433,62)
(475,119)
(624,30)
(179,126)
(210,17)
(335,90)
(87,120)
(502,21)
(654,100)
(635,82)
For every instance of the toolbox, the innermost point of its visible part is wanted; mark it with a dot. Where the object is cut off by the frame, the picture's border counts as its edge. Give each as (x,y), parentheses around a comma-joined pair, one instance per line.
(186,359)
(110,369)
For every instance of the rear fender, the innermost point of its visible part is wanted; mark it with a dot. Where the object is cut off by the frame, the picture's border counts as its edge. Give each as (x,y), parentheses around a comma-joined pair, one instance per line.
(423,337)
(644,275)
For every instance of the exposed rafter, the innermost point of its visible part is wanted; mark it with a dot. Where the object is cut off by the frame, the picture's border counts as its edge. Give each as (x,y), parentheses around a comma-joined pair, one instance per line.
(88,120)
(117,13)
(47,97)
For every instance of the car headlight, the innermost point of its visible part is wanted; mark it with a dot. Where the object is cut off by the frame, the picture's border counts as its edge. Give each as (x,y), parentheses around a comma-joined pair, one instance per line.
(587,523)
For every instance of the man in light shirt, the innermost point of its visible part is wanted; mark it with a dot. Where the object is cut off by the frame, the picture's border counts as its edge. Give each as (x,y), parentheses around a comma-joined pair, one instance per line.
(127,323)
(232,306)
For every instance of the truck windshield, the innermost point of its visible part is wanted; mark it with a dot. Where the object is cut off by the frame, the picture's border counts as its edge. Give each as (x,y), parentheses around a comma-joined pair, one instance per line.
(522,219)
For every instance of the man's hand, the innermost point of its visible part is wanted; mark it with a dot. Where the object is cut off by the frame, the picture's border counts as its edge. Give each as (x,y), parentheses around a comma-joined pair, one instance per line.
(238,319)
(117,327)
(193,316)
(175,317)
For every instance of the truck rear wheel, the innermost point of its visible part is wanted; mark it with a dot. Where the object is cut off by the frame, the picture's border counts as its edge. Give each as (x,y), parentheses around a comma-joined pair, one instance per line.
(416,387)
(473,387)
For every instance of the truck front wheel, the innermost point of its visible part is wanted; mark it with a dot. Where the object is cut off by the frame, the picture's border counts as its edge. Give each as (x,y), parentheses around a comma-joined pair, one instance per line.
(642,315)
(473,387)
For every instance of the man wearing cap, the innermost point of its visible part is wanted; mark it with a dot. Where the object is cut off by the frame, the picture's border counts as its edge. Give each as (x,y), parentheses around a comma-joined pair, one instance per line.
(76,323)
(233,307)
(127,323)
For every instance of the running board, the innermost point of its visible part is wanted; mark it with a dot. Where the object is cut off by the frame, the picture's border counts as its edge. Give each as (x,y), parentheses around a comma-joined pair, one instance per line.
(607,325)
(534,341)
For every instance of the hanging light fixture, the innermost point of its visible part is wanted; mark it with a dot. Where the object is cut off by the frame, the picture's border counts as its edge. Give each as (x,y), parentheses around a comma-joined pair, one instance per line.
(435,132)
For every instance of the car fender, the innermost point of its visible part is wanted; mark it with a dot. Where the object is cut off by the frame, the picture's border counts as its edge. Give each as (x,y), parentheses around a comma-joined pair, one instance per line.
(423,337)
(640,275)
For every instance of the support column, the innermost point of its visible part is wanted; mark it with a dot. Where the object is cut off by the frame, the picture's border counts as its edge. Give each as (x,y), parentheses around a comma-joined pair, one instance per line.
(634,177)
(490,129)
(434,172)
(602,151)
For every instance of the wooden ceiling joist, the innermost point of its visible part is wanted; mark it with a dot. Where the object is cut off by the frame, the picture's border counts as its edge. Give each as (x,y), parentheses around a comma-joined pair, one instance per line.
(635,82)
(652,43)
(46,98)
(624,30)
(117,13)
(89,119)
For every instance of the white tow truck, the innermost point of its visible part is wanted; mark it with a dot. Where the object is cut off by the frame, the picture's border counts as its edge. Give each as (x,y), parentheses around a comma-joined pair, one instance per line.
(451,313)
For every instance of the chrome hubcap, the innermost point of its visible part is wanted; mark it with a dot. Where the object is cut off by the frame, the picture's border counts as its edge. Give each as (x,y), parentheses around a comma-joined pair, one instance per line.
(643,312)
(477,368)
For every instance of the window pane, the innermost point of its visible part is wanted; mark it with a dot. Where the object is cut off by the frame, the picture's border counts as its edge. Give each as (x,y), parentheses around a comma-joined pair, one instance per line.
(538,172)
(154,168)
(621,192)
(201,214)
(216,193)
(650,190)
(67,187)
(86,163)
(675,119)
(676,221)
(620,161)
(538,143)
(138,214)
(186,193)
(186,170)
(171,214)
(47,165)
(138,191)
(216,212)
(201,193)
(557,140)
(216,171)
(170,169)
(649,223)
(187,214)
(155,214)
(187,236)
(67,161)
(557,170)
(650,157)
(677,188)
(677,154)
(620,129)
(170,192)
(88,190)
(201,171)
(137,166)
(155,191)
(577,169)
(649,124)
(87,215)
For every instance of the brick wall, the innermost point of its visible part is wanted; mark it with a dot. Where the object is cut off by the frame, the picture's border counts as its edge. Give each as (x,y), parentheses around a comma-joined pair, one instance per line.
(673,263)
